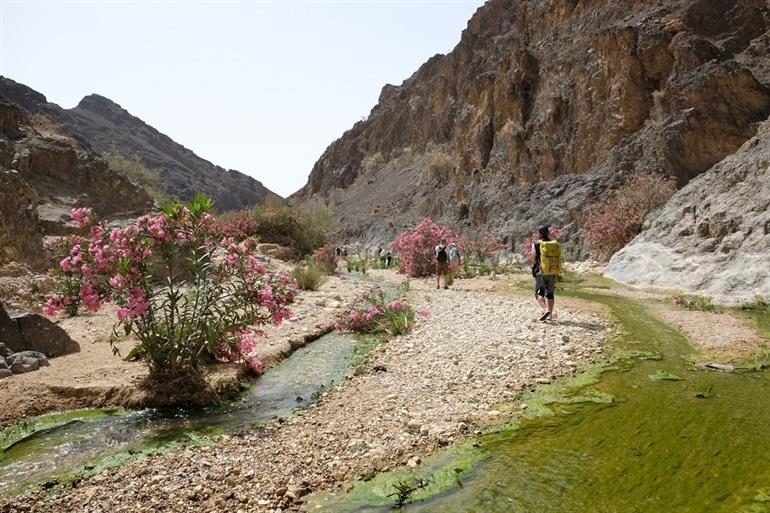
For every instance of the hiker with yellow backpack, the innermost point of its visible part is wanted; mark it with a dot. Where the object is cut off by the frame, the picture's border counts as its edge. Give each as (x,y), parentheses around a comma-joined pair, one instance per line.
(546,267)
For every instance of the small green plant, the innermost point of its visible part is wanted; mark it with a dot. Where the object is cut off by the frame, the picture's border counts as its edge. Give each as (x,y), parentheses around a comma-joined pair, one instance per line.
(450,279)
(405,285)
(308,276)
(484,268)
(405,488)
(759,303)
(699,303)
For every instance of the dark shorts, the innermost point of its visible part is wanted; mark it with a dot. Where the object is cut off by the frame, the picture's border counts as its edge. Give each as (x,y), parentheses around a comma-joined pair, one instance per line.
(545,286)
(442,268)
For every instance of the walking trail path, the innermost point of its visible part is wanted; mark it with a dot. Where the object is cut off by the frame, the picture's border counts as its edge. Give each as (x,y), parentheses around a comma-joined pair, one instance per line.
(459,370)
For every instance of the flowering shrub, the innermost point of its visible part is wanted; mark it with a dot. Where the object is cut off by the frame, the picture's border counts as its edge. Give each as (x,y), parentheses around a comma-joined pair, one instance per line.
(482,248)
(553,233)
(693,303)
(613,223)
(374,314)
(326,258)
(415,248)
(237,225)
(182,315)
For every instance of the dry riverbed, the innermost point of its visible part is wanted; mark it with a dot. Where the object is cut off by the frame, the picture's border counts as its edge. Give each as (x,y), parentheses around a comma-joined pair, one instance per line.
(458,371)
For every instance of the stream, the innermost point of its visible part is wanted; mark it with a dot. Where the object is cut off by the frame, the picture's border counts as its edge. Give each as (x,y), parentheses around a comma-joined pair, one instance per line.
(651,434)
(83,440)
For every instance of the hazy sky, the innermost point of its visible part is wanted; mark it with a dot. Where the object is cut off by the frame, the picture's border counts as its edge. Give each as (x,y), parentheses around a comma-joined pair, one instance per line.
(262,87)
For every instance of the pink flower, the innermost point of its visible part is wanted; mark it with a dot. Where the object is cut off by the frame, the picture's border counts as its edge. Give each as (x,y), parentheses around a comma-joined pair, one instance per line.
(424,312)
(255,365)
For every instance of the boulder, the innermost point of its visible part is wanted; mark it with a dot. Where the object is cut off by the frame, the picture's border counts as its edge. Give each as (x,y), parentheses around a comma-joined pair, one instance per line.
(25,364)
(3,364)
(27,356)
(10,336)
(5,373)
(33,332)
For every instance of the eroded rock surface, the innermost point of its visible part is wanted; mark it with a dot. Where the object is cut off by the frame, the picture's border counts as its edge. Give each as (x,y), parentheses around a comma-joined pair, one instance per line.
(545,106)
(713,236)
(42,177)
(20,332)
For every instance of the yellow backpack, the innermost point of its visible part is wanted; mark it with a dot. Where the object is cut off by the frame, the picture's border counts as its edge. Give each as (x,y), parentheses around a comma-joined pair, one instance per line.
(550,257)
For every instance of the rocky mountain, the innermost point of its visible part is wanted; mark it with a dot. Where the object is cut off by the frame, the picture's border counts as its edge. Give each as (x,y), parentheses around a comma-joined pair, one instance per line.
(43,174)
(107,127)
(713,237)
(545,106)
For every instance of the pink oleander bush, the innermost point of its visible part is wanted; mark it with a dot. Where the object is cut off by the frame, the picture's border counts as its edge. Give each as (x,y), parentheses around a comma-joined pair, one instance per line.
(612,224)
(238,225)
(373,313)
(482,248)
(553,232)
(186,292)
(325,258)
(415,248)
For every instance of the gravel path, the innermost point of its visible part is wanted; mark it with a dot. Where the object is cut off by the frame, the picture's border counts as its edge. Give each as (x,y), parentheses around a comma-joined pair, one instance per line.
(414,394)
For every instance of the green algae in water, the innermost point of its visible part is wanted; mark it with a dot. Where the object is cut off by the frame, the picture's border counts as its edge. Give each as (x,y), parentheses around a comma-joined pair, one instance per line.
(653,448)
(664,376)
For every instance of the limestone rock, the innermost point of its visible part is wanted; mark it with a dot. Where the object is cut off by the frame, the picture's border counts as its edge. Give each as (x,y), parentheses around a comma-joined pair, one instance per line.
(713,236)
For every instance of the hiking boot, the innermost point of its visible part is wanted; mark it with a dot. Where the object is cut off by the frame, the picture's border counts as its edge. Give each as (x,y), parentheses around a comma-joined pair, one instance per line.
(446,287)
(545,316)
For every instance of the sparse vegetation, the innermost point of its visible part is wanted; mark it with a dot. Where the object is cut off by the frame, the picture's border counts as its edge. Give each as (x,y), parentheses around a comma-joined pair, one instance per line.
(612,223)
(308,276)
(148,179)
(303,232)
(439,165)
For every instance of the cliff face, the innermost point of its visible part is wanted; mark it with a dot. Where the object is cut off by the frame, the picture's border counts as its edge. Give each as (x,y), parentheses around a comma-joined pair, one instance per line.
(106,126)
(43,174)
(713,237)
(543,107)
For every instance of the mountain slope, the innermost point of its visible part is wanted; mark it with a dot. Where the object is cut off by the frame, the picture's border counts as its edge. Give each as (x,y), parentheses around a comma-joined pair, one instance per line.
(107,127)
(44,174)
(543,107)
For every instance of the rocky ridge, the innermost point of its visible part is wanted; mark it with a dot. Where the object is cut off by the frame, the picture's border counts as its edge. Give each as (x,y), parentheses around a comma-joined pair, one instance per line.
(713,236)
(543,107)
(43,174)
(106,126)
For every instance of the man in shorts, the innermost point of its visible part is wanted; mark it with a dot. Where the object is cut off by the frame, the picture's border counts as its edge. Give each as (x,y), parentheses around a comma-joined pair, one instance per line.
(545,285)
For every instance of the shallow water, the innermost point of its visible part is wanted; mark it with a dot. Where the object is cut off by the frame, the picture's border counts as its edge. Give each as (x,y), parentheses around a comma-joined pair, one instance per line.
(693,445)
(91,436)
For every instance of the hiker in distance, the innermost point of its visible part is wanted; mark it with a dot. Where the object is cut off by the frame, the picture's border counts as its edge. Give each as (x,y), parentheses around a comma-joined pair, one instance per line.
(442,263)
(546,267)
(454,259)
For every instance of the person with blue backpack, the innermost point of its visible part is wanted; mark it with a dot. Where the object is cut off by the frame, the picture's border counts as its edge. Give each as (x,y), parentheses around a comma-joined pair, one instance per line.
(546,267)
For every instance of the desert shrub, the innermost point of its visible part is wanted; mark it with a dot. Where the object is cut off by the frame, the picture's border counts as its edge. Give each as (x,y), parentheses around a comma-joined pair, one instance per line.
(325,259)
(612,223)
(303,232)
(693,303)
(308,276)
(371,163)
(439,165)
(416,247)
(180,323)
(140,174)
(373,313)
